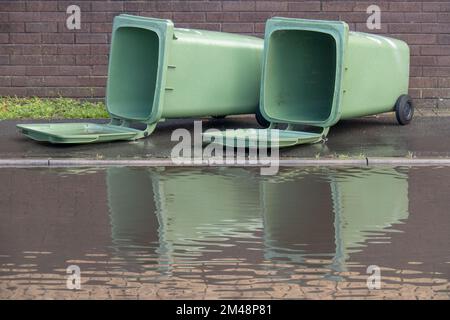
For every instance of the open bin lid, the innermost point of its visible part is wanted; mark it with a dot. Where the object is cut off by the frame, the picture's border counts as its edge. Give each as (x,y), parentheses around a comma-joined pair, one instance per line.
(135,86)
(301,84)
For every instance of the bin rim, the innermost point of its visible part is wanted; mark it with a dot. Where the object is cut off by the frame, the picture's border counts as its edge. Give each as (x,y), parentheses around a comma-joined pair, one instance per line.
(339,30)
(164,29)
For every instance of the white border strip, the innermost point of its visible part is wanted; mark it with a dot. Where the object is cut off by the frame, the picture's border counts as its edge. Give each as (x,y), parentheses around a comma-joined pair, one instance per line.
(39,162)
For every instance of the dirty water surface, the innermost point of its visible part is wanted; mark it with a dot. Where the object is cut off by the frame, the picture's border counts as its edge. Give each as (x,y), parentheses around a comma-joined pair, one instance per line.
(225,233)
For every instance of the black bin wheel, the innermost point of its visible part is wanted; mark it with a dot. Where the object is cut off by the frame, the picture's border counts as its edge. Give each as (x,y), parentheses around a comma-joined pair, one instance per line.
(404,110)
(261,120)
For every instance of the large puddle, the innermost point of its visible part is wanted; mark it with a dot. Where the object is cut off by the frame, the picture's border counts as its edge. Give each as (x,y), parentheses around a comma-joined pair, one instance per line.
(225,233)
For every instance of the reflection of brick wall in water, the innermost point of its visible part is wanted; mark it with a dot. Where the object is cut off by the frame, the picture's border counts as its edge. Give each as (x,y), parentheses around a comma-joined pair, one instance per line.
(43,211)
(40,57)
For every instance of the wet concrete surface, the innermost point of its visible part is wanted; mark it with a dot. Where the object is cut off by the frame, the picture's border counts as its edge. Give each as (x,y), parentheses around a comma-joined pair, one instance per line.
(225,233)
(365,137)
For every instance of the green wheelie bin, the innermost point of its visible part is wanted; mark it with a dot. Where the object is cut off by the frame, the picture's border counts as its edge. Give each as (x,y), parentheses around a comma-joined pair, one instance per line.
(157,71)
(315,73)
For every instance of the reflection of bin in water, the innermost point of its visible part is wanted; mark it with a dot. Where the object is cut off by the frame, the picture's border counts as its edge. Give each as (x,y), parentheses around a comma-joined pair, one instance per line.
(202,213)
(189,213)
(317,72)
(157,71)
(134,224)
(363,204)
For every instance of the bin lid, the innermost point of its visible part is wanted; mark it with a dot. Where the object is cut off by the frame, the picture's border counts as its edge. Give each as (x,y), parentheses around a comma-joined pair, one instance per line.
(81,132)
(263,138)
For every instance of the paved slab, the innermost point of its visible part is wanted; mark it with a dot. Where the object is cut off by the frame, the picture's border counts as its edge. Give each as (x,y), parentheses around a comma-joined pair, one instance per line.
(425,137)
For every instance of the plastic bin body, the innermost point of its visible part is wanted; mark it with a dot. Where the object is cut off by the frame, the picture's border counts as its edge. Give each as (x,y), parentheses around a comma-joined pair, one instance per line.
(315,73)
(157,71)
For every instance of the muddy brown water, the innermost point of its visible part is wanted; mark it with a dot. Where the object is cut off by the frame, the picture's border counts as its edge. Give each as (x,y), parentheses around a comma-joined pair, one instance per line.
(155,233)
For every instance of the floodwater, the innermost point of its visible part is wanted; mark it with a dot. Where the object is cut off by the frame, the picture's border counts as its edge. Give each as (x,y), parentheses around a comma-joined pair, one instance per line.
(152,233)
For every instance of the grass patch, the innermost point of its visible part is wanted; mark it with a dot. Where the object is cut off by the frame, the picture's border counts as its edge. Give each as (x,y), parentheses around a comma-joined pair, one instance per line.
(56,108)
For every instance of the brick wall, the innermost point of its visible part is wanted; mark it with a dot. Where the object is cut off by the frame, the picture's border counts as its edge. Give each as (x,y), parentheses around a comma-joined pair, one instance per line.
(40,57)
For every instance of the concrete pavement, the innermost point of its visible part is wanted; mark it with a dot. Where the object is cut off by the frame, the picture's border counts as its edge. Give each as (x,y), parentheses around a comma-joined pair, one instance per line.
(371,137)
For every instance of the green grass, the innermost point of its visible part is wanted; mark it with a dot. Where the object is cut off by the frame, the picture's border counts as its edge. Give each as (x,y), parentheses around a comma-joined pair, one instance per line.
(56,108)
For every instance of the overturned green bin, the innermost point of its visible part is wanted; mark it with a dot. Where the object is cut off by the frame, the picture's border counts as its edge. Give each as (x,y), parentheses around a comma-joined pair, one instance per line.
(157,71)
(318,72)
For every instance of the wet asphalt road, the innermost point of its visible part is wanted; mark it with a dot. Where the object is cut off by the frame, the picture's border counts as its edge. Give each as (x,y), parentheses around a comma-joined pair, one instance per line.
(425,137)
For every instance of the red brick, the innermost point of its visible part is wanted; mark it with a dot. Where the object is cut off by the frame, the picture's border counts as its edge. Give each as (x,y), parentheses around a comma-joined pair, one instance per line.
(107,6)
(24,17)
(436,6)
(405,6)
(423,61)
(238,5)
(25,38)
(436,71)
(41,70)
(74,49)
(91,38)
(415,71)
(58,38)
(5,81)
(42,6)
(444,82)
(12,27)
(99,70)
(338,5)
(12,70)
(443,60)
(91,59)
(11,91)
(41,27)
(238,27)
(435,27)
(139,6)
(11,49)
(83,5)
(54,16)
(189,16)
(404,28)
(58,60)
(4,59)
(444,39)
(4,38)
(99,48)
(255,16)
(421,17)
(436,93)
(435,50)
(222,16)
(417,38)
(93,81)
(423,82)
(363,5)
(304,6)
(203,26)
(12,6)
(26,60)
(101,27)
(74,70)
(196,6)
(271,6)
